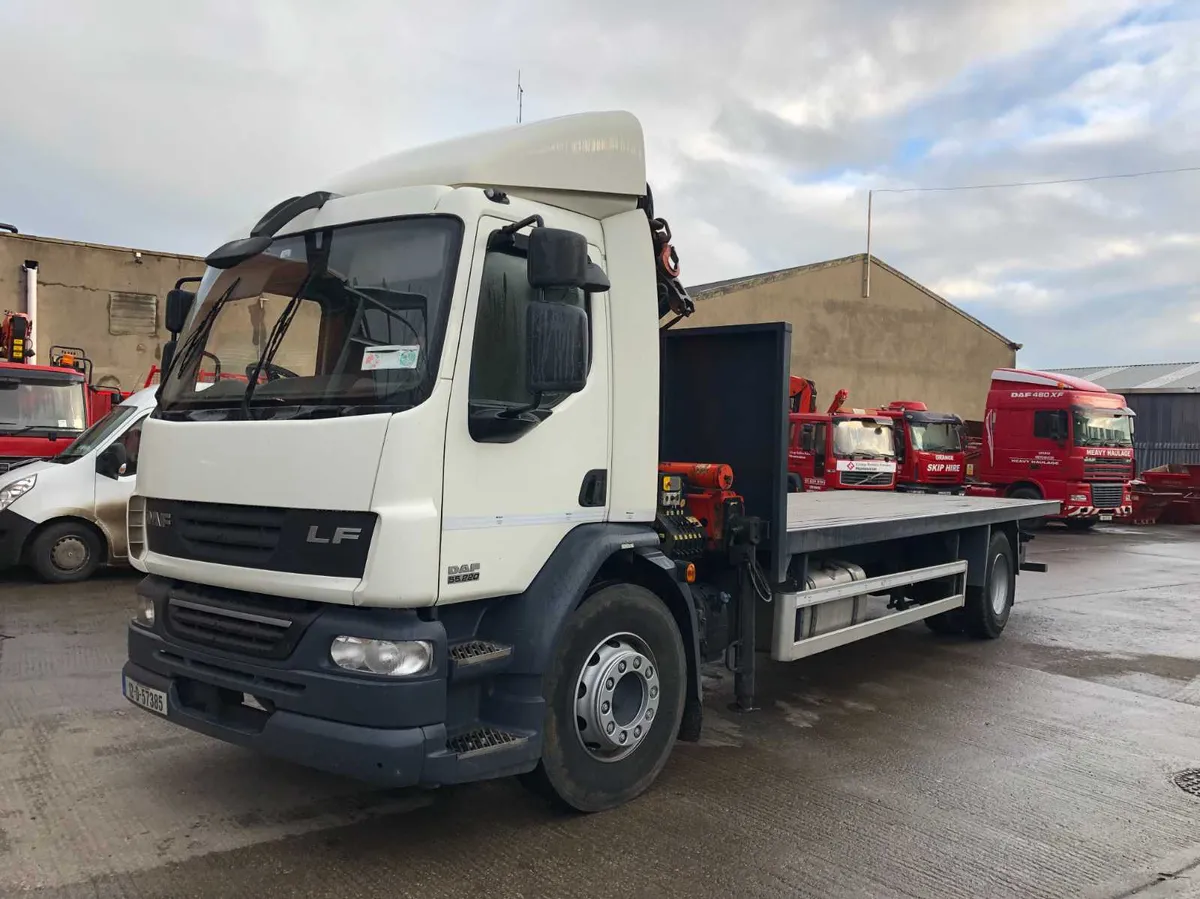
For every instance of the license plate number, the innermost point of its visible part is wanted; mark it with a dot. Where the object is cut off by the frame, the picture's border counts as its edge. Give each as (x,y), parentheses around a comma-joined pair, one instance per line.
(1106,518)
(148,698)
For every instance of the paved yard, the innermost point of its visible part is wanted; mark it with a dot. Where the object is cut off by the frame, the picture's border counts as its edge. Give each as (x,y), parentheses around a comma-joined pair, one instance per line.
(1036,766)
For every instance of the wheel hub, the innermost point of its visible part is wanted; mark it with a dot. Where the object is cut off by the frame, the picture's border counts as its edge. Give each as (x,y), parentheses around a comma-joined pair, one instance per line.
(69,554)
(617,697)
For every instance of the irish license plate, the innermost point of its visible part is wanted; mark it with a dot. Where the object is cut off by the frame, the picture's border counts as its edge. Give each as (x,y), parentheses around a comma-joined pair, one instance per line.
(148,698)
(1106,518)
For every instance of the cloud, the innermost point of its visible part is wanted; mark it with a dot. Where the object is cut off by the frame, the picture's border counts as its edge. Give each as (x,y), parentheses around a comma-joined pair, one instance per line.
(168,125)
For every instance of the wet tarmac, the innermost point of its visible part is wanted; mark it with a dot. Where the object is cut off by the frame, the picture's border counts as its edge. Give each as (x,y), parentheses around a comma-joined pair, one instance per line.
(1039,765)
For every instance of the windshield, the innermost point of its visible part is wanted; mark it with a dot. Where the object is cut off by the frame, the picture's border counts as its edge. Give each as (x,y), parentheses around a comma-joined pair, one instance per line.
(36,403)
(1103,428)
(935,436)
(859,437)
(97,434)
(349,319)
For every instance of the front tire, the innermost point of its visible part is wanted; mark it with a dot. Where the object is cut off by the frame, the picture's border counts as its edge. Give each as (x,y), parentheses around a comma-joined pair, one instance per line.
(1080,524)
(987,608)
(614,698)
(1028,525)
(66,552)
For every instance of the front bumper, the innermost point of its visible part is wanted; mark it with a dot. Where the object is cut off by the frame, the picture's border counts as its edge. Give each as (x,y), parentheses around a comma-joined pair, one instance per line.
(305,709)
(1094,512)
(14,531)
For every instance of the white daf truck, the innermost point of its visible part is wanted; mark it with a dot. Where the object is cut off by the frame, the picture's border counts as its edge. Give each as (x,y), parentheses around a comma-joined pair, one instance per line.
(476,510)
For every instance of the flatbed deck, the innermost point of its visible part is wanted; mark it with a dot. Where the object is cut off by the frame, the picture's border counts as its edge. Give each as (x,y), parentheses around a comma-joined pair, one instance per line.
(836,518)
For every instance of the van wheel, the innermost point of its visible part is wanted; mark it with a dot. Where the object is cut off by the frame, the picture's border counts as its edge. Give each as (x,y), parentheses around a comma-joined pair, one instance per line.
(614,699)
(1028,525)
(65,552)
(988,607)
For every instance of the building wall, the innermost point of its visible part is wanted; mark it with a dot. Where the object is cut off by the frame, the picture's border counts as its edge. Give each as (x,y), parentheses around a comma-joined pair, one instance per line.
(900,343)
(95,297)
(1167,428)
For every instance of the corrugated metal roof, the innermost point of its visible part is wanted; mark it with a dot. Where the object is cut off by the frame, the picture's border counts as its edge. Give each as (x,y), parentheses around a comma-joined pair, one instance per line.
(1165,377)
(718,288)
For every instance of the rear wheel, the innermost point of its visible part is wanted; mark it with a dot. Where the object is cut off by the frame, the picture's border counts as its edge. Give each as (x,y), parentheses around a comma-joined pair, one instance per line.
(614,699)
(1029,525)
(1080,524)
(66,552)
(988,607)
(794,483)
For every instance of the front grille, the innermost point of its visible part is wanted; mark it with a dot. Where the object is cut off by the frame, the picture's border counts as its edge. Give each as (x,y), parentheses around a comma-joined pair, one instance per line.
(246,624)
(1107,496)
(228,534)
(866,478)
(943,477)
(1106,470)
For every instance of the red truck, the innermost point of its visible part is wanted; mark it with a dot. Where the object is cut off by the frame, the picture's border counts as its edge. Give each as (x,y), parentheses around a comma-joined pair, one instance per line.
(837,449)
(43,407)
(930,453)
(1054,437)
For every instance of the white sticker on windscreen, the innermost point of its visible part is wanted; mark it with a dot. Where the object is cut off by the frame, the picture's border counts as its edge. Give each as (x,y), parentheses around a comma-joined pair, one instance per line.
(387,358)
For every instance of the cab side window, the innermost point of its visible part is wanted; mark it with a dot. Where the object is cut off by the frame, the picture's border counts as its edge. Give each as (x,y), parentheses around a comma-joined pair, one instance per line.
(132,441)
(1051,425)
(498,376)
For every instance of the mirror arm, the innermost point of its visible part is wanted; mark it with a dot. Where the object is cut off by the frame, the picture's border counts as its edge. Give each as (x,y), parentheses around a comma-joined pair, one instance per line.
(521,410)
(514,227)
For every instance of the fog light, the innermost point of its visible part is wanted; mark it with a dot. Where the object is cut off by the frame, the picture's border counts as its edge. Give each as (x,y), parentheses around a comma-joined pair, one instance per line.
(401,658)
(1079,497)
(145,612)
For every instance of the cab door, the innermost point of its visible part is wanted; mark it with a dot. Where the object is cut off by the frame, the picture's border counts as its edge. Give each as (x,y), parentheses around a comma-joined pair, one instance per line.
(113,490)
(518,478)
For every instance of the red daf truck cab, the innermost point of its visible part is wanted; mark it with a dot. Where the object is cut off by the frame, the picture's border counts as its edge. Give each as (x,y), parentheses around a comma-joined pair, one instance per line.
(1051,436)
(930,454)
(847,450)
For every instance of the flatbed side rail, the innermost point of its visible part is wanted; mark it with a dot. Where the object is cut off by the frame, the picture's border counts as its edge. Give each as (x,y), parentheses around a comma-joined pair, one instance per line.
(786,648)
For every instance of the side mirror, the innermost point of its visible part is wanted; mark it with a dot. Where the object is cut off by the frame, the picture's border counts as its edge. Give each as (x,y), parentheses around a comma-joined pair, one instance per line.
(112,462)
(559,258)
(179,304)
(556,347)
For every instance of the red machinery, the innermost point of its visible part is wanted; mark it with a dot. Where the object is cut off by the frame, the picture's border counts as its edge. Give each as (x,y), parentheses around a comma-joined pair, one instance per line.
(1169,494)
(697,508)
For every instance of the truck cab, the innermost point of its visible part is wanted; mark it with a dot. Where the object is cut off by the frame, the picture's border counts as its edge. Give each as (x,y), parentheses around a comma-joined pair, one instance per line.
(930,454)
(1055,437)
(849,450)
(42,409)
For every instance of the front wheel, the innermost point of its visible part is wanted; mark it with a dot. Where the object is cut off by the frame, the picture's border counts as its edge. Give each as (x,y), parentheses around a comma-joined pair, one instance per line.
(1080,524)
(66,552)
(1028,525)
(987,608)
(614,699)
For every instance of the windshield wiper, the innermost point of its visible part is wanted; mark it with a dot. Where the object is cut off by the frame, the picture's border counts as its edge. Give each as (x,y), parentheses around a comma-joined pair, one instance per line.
(199,336)
(27,428)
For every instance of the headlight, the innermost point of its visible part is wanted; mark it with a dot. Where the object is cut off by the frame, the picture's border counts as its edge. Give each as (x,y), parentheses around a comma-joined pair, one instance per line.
(393,658)
(145,612)
(1079,497)
(9,493)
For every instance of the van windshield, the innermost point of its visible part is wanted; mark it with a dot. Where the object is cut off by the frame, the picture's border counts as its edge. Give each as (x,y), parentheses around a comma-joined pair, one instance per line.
(96,435)
(342,321)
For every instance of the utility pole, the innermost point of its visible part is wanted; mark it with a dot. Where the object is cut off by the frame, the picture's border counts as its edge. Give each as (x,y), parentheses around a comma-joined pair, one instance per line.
(520,97)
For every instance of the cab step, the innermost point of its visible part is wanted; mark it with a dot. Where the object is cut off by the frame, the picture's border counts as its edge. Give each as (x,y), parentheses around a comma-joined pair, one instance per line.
(478,658)
(483,740)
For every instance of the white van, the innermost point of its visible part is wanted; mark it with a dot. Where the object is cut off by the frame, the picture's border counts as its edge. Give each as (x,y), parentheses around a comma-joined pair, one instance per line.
(65,516)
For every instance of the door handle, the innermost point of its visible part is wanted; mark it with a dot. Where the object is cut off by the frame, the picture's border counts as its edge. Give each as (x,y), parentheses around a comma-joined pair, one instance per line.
(594,490)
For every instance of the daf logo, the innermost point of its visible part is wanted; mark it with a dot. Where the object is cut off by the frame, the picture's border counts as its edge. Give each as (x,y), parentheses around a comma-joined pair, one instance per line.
(340,535)
(158,519)
(461,574)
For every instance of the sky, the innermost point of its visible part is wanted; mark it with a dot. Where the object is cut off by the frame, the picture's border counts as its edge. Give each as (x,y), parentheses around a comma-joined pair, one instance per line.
(167,126)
